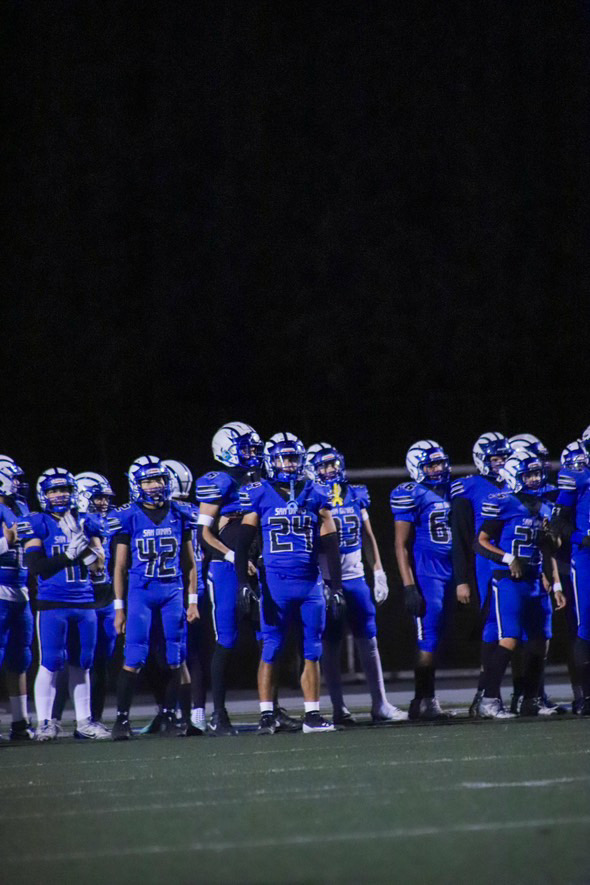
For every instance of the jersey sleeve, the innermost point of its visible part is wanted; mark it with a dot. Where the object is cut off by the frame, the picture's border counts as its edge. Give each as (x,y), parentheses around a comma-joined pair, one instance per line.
(403,502)
(361,494)
(7,518)
(491,510)
(459,488)
(32,526)
(321,497)
(250,497)
(212,487)
(93,526)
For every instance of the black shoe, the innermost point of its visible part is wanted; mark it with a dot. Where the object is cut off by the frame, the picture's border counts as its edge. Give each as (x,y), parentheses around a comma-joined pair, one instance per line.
(285,722)
(474,706)
(193,730)
(529,707)
(220,724)
(315,722)
(171,726)
(414,709)
(21,731)
(585,708)
(156,725)
(344,719)
(122,728)
(515,703)
(267,723)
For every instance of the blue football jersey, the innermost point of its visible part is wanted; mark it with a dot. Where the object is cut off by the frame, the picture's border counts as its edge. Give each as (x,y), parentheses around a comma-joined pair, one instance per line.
(476,489)
(574,492)
(429,513)
(290,528)
(155,544)
(521,530)
(71,584)
(348,502)
(13,574)
(194,510)
(219,487)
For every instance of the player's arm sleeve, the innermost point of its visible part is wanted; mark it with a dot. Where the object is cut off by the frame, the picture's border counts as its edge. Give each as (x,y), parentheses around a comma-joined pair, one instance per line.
(246,537)
(493,529)
(462,533)
(42,566)
(329,546)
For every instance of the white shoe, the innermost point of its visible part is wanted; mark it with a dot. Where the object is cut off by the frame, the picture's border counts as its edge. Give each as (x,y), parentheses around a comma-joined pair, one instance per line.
(91,731)
(389,713)
(46,731)
(493,708)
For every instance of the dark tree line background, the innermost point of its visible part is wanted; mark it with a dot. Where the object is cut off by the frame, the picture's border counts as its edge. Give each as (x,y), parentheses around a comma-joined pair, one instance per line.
(362,222)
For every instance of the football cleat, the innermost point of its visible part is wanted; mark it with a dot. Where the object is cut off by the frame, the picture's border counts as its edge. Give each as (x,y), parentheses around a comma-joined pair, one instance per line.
(155,726)
(122,728)
(315,722)
(427,709)
(198,723)
(46,731)
(172,726)
(548,708)
(267,723)
(515,703)
(474,706)
(493,708)
(91,731)
(585,708)
(344,719)
(21,731)
(529,707)
(220,724)
(284,721)
(387,714)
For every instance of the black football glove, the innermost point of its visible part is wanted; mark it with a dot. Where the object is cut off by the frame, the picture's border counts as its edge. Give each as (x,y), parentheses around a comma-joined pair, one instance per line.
(335,603)
(413,601)
(247,599)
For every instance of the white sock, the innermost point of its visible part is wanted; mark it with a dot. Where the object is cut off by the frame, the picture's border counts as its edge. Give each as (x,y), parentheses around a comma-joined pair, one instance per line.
(311,706)
(79,685)
(197,715)
(266,706)
(371,664)
(332,674)
(18,707)
(45,683)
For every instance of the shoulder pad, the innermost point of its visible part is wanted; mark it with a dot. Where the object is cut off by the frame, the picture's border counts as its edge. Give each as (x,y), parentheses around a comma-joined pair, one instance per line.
(25,530)
(566,481)
(212,486)
(113,525)
(402,497)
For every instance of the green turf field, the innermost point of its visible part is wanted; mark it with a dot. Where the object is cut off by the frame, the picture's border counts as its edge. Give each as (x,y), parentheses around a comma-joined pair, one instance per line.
(467,802)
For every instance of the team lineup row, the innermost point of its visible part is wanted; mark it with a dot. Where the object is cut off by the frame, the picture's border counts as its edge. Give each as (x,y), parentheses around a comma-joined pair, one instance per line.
(277,533)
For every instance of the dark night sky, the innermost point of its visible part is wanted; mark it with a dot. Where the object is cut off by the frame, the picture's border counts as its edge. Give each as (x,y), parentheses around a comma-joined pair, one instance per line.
(366,222)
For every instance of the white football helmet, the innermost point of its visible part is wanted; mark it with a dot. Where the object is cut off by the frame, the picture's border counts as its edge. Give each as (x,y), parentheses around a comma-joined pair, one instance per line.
(487,446)
(575,456)
(317,459)
(148,467)
(181,478)
(57,478)
(91,485)
(427,453)
(529,443)
(237,445)
(276,449)
(520,463)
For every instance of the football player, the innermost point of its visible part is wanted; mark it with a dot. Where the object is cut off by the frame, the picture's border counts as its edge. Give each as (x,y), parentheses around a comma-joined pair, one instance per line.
(571,519)
(95,503)
(295,519)
(153,548)
(238,448)
(350,503)
(16,620)
(193,679)
(423,551)
(515,537)
(467,496)
(60,554)
(528,442)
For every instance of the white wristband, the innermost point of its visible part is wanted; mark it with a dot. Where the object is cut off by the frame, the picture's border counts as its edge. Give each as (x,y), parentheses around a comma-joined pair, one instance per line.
(193,599)
(557,588)
(203,519)
(89,557)
(230,556)
(119,604)
(508,559)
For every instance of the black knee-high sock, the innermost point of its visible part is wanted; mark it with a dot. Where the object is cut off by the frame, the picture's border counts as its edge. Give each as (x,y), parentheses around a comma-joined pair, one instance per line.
(171,688)
(533,673)
(184,701)
(125,689)
(487,649)
(495,670)
(424,681)
(98,689)
(218,668)
(582,656)
(156,677)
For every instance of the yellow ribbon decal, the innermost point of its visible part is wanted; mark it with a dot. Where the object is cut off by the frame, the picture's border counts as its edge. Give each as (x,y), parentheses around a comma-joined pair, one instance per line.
(337,499)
